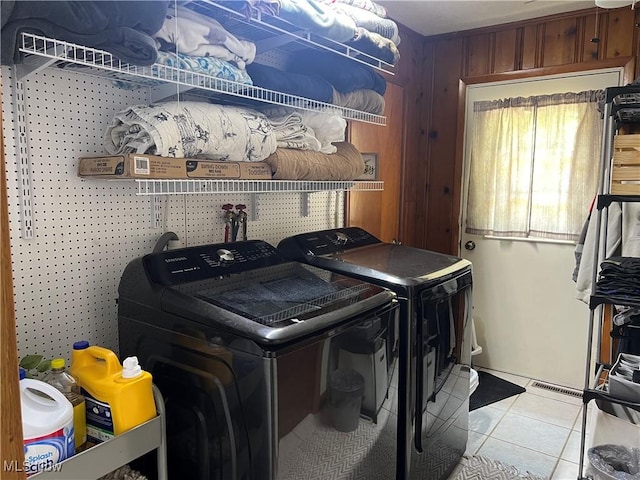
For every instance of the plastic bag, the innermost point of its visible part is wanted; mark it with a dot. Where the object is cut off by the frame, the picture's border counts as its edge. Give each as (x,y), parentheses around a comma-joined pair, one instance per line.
(614,462)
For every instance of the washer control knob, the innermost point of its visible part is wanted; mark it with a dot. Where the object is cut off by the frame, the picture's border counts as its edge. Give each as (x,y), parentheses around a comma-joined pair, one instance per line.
(225,255)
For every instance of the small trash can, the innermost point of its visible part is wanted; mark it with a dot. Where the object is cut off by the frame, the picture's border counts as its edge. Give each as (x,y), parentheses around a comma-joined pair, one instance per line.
(614,462)
(347,389)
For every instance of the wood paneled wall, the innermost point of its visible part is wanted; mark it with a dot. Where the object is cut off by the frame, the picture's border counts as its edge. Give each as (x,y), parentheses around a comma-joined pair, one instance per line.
(433,164)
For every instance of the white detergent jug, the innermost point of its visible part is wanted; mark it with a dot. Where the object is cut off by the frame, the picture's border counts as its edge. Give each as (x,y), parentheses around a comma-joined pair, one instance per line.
(47,425)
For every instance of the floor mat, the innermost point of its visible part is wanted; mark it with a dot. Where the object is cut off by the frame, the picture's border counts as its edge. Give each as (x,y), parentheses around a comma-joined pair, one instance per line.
(476,467)
(492,389)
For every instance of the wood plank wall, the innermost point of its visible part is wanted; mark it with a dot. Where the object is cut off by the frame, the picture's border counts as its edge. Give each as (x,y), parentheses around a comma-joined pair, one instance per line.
(432,75)
(408,75)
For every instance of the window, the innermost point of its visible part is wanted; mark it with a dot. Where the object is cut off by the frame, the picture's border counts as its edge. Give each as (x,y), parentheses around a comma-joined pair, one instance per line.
(534,165)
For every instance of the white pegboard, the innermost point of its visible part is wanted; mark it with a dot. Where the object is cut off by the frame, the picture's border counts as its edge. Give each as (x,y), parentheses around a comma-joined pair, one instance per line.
(86,231)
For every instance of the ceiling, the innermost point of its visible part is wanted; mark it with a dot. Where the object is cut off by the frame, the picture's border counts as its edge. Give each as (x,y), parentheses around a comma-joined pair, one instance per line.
(433,17)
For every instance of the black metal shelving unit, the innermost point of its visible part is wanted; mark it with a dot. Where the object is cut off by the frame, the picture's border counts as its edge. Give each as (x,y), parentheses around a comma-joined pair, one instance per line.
(622,106)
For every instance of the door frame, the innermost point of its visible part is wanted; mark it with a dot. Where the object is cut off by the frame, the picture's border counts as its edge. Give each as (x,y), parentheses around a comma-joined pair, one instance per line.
(626,63)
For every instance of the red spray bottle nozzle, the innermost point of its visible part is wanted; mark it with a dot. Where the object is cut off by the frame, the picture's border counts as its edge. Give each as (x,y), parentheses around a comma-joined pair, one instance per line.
(227,207)
(240,206)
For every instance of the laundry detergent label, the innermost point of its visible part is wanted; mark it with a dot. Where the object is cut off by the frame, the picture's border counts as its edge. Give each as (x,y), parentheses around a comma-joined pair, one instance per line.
(41,453)
(99,420)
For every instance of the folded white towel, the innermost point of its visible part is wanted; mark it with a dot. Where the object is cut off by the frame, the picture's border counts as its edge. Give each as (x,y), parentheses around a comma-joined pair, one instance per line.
(290,132)
(198,35)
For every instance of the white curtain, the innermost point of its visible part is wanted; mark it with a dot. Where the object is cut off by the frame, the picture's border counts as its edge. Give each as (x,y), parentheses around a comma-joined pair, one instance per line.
(534,165)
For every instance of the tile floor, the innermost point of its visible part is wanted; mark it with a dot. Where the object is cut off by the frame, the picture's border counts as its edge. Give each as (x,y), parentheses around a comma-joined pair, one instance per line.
(538,431)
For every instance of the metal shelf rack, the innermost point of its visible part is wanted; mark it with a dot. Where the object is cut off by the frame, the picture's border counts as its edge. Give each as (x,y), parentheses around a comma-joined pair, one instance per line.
(43,52)
(105,457)
(621,106)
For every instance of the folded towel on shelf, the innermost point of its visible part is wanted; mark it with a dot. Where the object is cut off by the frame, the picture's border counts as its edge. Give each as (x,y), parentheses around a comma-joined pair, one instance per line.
(312,87)
(209,66)
(369,21)
(318,18)
(121,28)
(345,164)
(343,73)
(368,5)
(362,100)
(326,127)
(192,33)
(192,130)
(375,45)
(290,132)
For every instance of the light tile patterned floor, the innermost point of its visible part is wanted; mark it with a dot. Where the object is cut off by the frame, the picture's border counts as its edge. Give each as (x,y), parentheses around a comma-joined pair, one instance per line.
(538,431)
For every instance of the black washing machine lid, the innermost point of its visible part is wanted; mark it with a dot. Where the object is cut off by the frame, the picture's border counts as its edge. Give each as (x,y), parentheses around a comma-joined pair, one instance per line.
(354,251)
(229,286)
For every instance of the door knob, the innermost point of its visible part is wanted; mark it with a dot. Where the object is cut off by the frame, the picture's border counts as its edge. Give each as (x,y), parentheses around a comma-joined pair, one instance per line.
(470,245)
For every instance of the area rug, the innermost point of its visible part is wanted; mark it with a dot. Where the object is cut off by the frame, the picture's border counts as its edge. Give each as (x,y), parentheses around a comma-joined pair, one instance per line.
(492,389)
(480,468)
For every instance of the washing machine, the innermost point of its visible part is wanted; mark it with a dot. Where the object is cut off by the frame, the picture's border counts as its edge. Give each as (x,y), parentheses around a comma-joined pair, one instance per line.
(244,344)
(435,296)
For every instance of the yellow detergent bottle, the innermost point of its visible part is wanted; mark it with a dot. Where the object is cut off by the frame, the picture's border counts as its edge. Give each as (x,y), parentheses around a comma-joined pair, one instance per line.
(117,398)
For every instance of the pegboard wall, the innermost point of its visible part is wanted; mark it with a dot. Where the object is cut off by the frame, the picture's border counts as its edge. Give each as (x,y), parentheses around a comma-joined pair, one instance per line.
(86,231)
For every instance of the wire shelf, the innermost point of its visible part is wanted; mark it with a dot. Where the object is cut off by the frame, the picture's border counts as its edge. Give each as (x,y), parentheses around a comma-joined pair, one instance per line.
(187,187)
(269,31)
(103,64)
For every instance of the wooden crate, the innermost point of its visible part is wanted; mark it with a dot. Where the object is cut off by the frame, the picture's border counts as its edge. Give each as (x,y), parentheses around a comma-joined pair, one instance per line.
(625,172)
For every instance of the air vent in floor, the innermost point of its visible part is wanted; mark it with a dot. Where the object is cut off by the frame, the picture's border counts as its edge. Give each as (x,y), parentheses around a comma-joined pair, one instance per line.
(555,388)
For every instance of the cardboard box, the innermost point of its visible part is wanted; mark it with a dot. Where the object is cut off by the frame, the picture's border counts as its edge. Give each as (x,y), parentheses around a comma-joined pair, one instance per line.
(625,172)
(135,165)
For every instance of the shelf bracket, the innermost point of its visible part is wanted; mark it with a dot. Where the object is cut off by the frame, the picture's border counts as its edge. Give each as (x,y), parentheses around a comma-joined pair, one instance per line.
(33,65)
(253,211)
(304,204)
(23,160)
(161,92)
(157,211)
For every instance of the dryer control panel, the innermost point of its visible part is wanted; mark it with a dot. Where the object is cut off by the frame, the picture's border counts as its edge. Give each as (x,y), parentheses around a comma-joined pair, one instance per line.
(326,242)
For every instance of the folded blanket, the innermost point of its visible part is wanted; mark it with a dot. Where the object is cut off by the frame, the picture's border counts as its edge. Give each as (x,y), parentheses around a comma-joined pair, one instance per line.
(370,21)
(368,5)
(344,74)
(290,132)
(327,129)
(345,164)
(362,100)
(210,66)
(197,35)
(318,19)
(191,130)
(294,84)
(121,28)
(375,45)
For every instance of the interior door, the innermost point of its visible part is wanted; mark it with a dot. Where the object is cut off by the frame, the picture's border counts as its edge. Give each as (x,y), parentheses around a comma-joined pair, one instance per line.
(379,212)
(528,321)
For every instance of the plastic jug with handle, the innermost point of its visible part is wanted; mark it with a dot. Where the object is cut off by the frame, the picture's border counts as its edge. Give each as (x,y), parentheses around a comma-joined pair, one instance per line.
(117,399)
(47,425)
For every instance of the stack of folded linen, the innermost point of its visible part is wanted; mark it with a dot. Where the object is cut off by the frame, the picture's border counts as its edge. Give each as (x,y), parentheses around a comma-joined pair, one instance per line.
(199,43)
(121,28)
(354,85)
(303,130)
